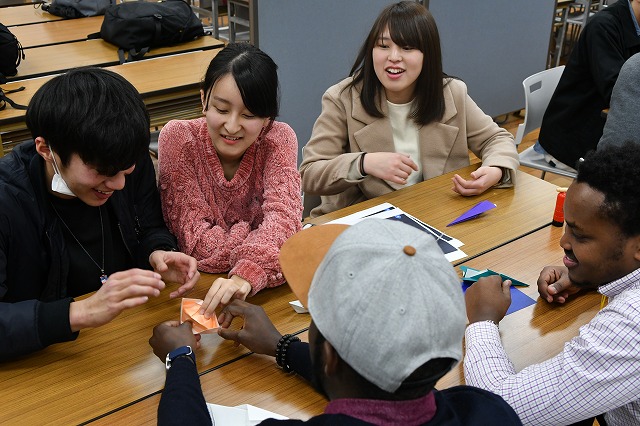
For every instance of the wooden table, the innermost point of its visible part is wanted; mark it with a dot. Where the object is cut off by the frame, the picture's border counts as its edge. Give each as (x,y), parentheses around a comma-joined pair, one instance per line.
(112,366)
(169,86)
(109,375)
(24,15)
(58,58)
(530,336)
(538,332)
(254,380)
(56,32)
(527,207)
(9,3)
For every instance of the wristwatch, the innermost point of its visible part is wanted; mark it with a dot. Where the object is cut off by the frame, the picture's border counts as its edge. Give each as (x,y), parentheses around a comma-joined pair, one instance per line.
(181,351)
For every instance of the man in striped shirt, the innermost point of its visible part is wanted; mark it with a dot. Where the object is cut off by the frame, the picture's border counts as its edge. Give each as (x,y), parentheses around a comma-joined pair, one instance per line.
(599,370)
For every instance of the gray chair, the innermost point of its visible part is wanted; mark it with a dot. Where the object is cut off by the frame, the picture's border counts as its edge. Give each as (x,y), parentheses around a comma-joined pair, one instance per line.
(207,9)
(240,16)
(538,90)
(309,202)
(153,143)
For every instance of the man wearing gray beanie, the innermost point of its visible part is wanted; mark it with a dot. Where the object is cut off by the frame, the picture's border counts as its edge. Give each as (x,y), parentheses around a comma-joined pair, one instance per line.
(387,323)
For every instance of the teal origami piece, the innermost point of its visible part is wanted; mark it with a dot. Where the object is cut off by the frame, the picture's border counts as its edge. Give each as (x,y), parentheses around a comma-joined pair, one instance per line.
(472,275)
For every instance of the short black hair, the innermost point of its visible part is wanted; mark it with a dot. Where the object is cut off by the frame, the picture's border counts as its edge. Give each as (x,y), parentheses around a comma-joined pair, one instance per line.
(418,384)
(255,74)
(94,113)
(615,171)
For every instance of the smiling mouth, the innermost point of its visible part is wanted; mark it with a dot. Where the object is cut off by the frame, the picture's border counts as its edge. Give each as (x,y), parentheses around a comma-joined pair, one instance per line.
(394,71)
(104,192)
(231,138)
(569,260)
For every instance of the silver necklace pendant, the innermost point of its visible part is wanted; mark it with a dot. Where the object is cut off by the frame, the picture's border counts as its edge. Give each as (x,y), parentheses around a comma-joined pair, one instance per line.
(103,278)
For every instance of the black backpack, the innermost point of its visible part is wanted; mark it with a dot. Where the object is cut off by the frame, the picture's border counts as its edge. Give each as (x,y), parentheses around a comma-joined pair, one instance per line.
(77,8)
(138,26)
(4,100)
(11,52)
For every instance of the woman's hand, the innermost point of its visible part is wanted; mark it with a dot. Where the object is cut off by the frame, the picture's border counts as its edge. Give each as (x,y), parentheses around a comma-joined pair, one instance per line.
(391,166)
(481,180)
(223,291)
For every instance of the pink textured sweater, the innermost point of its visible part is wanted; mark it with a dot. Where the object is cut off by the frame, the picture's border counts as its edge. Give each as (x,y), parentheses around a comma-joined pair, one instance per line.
(238,225)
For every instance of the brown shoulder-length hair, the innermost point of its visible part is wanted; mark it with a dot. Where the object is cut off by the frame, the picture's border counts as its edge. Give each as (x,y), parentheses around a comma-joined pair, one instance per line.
(410,24)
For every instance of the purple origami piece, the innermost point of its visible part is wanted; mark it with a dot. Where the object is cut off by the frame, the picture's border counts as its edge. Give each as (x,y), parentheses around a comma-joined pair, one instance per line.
(474,212)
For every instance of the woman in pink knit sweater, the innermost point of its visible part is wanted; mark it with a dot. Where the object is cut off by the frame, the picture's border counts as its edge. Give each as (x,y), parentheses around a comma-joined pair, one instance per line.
(229,182)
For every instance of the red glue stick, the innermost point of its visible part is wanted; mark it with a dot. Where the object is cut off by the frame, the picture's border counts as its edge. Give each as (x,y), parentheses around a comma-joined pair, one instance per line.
(558,213)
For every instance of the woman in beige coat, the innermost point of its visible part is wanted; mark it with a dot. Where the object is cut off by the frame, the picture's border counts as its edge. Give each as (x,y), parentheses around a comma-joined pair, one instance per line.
(398,120)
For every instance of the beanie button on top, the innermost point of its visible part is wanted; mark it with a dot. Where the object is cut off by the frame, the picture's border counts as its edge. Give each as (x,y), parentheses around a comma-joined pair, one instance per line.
(409,250)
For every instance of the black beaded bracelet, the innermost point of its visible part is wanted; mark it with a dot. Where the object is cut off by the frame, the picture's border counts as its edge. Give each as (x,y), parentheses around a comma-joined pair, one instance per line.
(281,351)
(362,172)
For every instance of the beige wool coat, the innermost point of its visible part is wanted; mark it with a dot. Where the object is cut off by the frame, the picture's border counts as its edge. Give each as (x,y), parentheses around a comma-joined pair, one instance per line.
(344,130)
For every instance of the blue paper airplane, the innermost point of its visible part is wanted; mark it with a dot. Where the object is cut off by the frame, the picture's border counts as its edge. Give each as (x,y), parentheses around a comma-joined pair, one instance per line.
(474,212)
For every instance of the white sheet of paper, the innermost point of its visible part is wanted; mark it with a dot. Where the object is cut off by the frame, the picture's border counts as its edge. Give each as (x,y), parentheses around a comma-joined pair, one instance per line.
(358,216)
(257,414)
(387,210)
(242,415)
(298,307)
(470,274)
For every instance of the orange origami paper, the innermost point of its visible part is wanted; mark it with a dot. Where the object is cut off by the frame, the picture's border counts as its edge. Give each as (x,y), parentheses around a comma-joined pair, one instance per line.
(189,312)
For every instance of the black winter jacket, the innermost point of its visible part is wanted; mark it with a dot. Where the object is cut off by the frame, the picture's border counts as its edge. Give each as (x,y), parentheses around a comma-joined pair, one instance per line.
(573,122)
(34,306)
(183,403)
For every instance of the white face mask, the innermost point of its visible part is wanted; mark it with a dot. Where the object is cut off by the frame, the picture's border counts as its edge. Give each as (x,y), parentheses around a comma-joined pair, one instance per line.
(57,183)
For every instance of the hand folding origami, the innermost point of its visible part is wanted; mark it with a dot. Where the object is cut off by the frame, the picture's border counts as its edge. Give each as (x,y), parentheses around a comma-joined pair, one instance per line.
(189,312)
(471,275)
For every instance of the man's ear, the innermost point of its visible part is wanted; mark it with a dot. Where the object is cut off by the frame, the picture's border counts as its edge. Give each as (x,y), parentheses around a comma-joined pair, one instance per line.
(636,247)
(43,149)
(331,359)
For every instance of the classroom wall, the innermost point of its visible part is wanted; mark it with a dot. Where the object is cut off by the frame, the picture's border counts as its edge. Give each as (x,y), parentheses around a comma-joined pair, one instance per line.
(492,45)
(314,44)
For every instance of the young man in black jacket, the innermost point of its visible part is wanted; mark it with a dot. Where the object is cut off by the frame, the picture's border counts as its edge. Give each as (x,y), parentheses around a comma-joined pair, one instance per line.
(80,212)
(387,323)
(573,122)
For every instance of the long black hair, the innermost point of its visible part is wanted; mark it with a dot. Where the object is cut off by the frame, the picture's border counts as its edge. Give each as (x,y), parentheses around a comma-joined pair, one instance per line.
(409,24)
(255,74)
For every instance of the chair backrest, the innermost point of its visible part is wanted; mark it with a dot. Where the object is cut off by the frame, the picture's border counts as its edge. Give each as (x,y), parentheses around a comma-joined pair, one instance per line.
(580,12)
(538,90)
(309,202)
